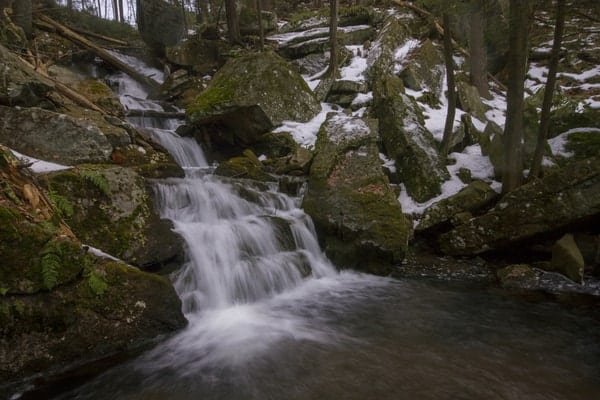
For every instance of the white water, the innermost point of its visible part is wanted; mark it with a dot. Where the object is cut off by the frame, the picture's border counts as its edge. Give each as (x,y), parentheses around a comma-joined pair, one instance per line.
(254,266)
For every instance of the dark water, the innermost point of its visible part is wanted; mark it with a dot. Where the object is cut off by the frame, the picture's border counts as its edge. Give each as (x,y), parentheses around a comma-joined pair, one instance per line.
(360,337)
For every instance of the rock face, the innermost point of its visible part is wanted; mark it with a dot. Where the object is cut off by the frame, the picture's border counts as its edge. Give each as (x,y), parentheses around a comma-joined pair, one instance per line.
(357,215)
(381,58)
(563,198)
(58,304)
(160,24)
(251,95)
(113,211)
(425,69)
(18,85)
(407,141)
(203,55)
(567,259)
(53,137)
(470,199)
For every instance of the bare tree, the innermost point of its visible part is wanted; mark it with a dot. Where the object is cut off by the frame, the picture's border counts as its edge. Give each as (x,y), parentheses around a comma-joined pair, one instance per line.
(478,59)
(536,164)
(449,61)
(233,25)
(519,13)
(261,30)
(333,24)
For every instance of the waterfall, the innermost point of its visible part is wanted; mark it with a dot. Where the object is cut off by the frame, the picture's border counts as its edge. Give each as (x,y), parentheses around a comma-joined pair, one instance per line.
(245,241)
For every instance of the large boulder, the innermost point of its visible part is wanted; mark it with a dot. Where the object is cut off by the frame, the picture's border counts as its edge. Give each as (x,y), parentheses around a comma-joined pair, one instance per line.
(424,69)
(160,24)
(356,213)
(566,197)
(53,137)
(381,59)
(203,55)
(113,210)
(472,198)
(59,304)
(406,140)
(251,95)
(19,84)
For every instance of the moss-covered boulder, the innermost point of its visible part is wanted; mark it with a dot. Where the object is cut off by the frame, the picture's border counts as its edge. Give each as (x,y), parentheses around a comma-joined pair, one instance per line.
(472,198)
(382,55)
(469,100)
(53,137)
(566,197)
(424,69)
(356,213)
(59,306)
(160,23)
(244,167)
(113,210)
(99,93)
(251,95)
(111,308)
(19,84)
(200,54)
(406,140)
(249,21)
(582,142)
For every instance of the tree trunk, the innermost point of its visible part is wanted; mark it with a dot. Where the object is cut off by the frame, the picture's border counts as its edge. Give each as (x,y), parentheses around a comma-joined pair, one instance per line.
(233,25)
(121,11)
(183,17)
(332,71)
(512,175)
(202,11)
(22,15)
(536,164)
(449,61)
(478,59)
(70,5)
(115,8)
(261,30)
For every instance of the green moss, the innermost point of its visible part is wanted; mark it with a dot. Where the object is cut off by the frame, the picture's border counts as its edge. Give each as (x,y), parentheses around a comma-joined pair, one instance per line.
(215,96)
(584,144)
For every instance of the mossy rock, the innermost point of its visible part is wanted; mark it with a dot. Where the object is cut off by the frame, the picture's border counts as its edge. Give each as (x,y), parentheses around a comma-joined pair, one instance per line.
(381,57)
(565,197)
(583,143)
(251,95)
(244,168)
(406,140)
(356,213)
(425,70)
(69,326)
(114,211)
(99,93)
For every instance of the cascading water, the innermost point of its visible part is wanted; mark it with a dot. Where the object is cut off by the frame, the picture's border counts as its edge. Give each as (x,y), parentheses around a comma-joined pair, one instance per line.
(269,318)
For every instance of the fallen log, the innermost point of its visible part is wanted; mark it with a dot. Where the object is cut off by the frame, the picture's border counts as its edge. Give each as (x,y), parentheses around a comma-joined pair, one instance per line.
(155,114)
(98,51)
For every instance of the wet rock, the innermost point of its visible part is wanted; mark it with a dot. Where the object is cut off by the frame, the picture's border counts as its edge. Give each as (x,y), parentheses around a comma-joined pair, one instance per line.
(251,95)
(517,276)
(356,213)
(406,140)
(19,84)
(472,198)
(113,210)
(100,94)
(53,137)
(567,259)
(244,167)
(565,197)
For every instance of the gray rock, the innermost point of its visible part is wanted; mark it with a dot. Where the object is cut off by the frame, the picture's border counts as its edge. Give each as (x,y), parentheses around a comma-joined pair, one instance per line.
(53,137)
(406,140)
(160,24)
(472,198)
(381,57)
(563,198)
(251,95)
(203,55)
(567,259)
(469,100)
(19,85)
(356,213)
(425,70)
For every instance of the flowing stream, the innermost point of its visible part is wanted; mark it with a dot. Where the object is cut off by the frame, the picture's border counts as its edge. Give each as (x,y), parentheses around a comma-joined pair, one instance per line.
(271,318)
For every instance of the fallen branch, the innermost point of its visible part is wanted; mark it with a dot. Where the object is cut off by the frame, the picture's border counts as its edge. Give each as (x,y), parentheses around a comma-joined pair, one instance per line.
(98,36)
(98,51)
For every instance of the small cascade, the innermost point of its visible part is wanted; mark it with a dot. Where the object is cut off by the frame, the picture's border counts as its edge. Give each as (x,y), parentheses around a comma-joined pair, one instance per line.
(245,241)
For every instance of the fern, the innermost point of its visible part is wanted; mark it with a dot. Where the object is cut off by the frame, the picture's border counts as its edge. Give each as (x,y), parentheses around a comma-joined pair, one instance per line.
(51,264)
(61,203)
(96,179)
(96,282)
(50,267)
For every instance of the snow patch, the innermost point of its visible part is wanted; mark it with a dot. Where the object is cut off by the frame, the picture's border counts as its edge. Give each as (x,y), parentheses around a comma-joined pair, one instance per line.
(39,166)
(305,133)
